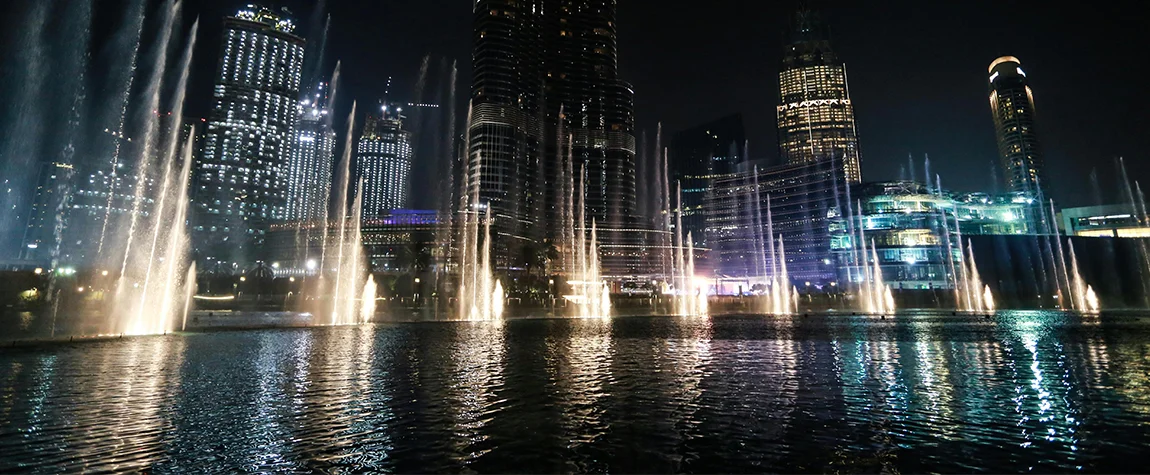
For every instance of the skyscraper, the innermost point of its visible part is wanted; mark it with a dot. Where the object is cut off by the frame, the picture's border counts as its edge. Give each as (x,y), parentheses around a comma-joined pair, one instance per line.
(241,180)
(545,82)
(313,150)
(700,155)
(1012,106)
(383,162)
(816,118)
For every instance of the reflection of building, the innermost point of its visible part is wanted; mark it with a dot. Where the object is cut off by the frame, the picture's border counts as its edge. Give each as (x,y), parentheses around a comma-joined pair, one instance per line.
(383,162)
(241,181)
(816,117)
(396,241)
(1103,221)
(531,60)
(313,150)
(804,199)
(905,223)
(1012,105)
(697,157)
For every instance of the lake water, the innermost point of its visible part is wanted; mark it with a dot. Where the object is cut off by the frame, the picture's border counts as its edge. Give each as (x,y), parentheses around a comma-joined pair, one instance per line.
(1023,391)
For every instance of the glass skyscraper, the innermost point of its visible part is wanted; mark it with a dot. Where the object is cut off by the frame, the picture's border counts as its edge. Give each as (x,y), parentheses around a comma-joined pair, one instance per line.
(313,150)
(700,155)
(815,114)
(546,81)
(1012,106)
(241,180)
(383,162)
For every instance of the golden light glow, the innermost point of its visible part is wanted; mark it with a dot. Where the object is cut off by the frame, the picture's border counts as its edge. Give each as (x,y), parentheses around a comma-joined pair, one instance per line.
(1004,59)
(214,297)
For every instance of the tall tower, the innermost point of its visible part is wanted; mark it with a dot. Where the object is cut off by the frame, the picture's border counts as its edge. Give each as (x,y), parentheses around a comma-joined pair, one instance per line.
(383,162)
(313,150)
(1012,106)
(816,118)
(241,180)
(546,81)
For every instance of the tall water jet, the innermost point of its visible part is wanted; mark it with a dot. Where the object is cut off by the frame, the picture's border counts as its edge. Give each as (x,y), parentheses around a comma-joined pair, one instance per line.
(153,282)
(480,294)
(874,295)
(689,292)
(589,292)
(342,271)
(973,295)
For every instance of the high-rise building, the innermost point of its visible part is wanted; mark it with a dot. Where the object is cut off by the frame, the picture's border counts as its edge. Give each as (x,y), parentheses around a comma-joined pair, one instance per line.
(816,118)
(546,81)
(383,162)
(1012,106)
(698,156)
(313,150)
(241,180)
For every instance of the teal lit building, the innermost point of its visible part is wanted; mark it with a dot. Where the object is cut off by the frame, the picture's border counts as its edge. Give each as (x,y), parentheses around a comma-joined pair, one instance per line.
(914,232)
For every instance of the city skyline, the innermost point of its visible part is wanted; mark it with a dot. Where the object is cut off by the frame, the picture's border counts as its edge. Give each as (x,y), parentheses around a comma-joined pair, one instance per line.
(942,112)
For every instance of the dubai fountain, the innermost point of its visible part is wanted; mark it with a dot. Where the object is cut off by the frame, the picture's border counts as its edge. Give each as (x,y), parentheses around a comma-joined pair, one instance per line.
(352,290)
(874,295)
(589,292)
(689,292)
(157,279)
(479,293)
(778,299)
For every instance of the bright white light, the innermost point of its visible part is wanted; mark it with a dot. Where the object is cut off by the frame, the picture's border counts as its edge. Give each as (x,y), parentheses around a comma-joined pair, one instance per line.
(310,264)
(994,76)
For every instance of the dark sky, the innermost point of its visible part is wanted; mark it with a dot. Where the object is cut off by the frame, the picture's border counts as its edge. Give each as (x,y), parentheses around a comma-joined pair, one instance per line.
(917,72)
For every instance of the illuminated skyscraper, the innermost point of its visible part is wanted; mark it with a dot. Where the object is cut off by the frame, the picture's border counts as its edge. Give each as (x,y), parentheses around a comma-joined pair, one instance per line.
(816,118)
(1012,106)
(309,171)
(532,60)
(383,162)
(241,180)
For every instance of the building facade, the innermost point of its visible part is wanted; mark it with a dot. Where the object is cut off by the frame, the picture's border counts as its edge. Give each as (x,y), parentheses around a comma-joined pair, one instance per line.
(697,157)
(1118,220)
(312,154)
(1012,107)
(816,119)
(799,202)
(383,162)
(241,182)
(546,87)
(916,231)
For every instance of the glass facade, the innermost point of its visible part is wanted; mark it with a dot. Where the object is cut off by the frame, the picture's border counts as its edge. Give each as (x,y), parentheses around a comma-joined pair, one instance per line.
(698,156)
(241,182)
(799,202)
(815,116)
(545,82)
(912,230)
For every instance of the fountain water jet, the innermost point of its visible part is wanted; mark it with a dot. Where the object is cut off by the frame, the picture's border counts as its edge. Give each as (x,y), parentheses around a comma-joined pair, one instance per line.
(153,283)
(480,293)
(590,293)
(1083,300)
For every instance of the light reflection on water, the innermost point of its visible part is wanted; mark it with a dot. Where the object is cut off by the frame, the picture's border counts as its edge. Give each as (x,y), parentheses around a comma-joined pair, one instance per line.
(924,392)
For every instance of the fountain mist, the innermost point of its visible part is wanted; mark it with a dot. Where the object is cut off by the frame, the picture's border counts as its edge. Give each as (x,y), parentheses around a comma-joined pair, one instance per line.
(153,284)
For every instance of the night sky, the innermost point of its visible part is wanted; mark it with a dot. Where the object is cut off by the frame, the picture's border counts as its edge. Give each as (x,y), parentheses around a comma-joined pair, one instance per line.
(917,73)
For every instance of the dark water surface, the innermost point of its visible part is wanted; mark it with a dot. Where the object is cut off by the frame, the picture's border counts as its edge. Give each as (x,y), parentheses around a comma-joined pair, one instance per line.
(1025,391)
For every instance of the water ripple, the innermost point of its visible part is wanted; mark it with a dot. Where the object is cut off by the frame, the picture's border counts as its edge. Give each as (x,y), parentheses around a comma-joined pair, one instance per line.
(1023,391)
